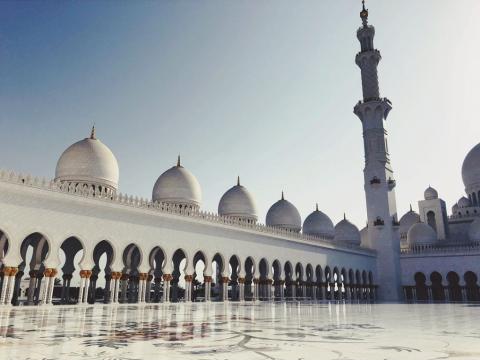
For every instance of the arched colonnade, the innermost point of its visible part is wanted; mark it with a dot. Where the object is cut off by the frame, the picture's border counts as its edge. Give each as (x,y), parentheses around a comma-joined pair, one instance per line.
(135,275)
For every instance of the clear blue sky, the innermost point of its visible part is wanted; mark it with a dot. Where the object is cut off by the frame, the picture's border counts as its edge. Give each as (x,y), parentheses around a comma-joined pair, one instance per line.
(263,89)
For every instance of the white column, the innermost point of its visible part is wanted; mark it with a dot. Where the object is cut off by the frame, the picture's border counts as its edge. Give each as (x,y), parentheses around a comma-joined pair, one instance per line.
(51,285)
(44,289)
(87,288)
(282,290)
(116,287)
(208,287)
(241,289)
(141,287)
(166,287)
(3,294)
(188,288)
(8,285)
(255,289)
(111,288)
(225,288)
(81,289)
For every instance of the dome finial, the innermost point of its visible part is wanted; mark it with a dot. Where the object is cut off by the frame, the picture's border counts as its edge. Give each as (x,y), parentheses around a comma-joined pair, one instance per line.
(316,206)
(411,208)
(178,161)
(283,197)
(344,216)
(364,14)
(92,133)
(238,180)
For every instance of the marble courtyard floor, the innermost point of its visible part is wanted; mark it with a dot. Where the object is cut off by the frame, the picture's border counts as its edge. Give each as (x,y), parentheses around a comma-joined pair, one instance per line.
(243,331)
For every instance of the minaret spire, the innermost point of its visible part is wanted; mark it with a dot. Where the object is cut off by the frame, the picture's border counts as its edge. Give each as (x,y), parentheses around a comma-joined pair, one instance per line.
(92,133)
(364,14)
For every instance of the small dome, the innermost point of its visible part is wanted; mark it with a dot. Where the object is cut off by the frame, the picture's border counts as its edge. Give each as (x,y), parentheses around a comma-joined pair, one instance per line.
(474,231)
(464,202)
(178,186)
(406,222)
(238,203)
(283,214)
(319,224)
(346,232)
(364,239)
(471,169)
(88,161)
(421,234)
(430,194)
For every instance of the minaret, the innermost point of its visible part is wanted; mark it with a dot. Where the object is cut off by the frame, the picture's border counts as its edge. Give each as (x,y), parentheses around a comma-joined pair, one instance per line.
(378,174)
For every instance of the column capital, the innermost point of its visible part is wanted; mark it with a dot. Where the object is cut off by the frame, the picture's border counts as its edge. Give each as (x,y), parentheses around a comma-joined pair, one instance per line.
(224,279)
(241,280)
(167,277)
(207,279)
(142,276)
(10,270)
(189,278)
(50,272)
(85,274)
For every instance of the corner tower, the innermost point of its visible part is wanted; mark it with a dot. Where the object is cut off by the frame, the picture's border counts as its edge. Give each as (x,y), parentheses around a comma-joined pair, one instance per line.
(378,174)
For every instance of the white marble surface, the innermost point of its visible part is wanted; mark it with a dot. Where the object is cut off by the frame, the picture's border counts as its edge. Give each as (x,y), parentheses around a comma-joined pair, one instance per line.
(220,331)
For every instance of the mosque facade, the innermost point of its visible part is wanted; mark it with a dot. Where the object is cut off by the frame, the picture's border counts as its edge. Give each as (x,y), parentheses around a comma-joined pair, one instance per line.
(76,239)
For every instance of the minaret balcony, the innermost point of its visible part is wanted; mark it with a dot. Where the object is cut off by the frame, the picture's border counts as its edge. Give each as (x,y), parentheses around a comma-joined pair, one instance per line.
(379,222)
(375,182)
(391,184)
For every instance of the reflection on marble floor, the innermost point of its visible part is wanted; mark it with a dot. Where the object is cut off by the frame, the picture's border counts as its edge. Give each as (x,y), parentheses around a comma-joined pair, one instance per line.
(243,331)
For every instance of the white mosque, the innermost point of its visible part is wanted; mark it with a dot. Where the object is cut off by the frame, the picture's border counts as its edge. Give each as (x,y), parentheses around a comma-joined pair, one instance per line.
(76,239)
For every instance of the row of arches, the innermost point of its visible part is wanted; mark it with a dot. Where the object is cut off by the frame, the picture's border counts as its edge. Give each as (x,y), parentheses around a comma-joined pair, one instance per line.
(435,288)
(158,277)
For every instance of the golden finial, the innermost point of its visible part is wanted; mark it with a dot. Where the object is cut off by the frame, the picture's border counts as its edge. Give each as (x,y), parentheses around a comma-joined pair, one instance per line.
(92,133)
(364,14)
(178,161)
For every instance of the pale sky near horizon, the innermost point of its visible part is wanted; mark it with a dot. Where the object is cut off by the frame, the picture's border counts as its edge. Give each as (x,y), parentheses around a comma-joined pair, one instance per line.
(260,89)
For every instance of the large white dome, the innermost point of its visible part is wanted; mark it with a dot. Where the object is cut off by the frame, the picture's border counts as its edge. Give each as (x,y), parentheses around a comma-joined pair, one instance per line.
(347,232)
(406,221)
(471,170)
(88,161)
(318,224)
(421,234)
(178,186)
(238,203)
(283,214)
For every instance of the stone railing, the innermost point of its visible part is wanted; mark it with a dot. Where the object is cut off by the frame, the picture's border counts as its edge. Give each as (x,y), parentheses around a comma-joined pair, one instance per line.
(102,194)
(436,249)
